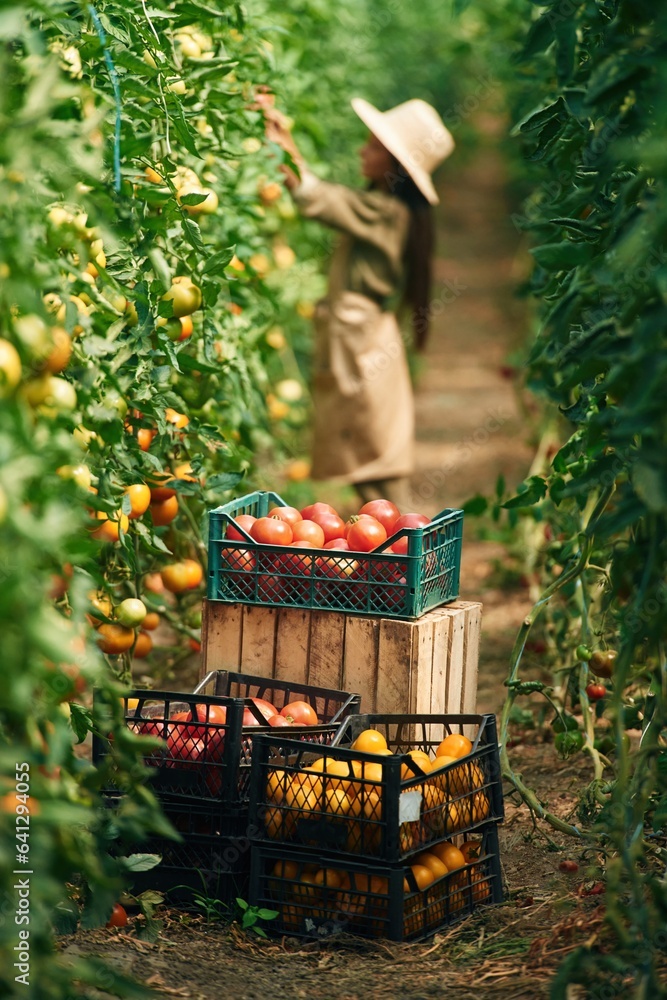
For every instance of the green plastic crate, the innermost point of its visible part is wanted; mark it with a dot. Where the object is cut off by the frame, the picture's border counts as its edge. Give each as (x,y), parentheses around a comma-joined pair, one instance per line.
(366,583)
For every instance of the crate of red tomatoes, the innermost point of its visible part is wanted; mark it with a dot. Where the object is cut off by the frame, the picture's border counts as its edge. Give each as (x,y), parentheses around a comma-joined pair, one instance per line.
(378,562)
(206,737)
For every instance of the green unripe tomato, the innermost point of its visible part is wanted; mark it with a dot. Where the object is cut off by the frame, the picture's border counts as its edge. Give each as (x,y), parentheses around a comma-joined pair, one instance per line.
(569,743)
(564,722)
(131,612)
(583,653)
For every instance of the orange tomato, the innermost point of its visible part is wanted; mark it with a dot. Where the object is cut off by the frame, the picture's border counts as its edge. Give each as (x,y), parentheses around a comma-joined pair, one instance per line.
(164,512)
(194,571)
(151,621)
(449,854)
(431,861)
(159,492)
(142,646)
(423,877)
(340,769)
(175,577)
(471,850)
(370,741)
(115,639)
(144,437)
(109,530)
(279,823)
(454,745)
(140,497)
(174,417)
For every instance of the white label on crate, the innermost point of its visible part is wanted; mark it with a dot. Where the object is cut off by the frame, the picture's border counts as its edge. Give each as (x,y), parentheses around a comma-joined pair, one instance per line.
(409,807)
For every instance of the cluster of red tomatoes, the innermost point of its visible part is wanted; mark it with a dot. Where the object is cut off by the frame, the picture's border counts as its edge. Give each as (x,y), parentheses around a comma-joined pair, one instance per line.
(319,527)
(196,737)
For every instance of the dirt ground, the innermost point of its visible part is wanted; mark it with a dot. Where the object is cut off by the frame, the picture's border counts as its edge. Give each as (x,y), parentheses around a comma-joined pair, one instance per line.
(471,430)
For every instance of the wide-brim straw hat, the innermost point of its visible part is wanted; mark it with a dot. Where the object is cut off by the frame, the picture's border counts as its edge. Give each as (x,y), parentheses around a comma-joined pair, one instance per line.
(414,134)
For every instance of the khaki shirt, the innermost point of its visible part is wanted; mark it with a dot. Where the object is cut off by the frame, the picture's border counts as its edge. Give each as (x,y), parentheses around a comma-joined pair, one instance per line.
(363,424)
(368,259)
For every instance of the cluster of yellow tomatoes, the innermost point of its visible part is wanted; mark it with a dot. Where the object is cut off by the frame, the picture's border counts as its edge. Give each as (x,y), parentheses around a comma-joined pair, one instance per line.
(332,893)
(350,792)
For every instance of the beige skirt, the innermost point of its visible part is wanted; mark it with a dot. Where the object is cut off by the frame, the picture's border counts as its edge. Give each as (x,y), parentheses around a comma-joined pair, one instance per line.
(362,395)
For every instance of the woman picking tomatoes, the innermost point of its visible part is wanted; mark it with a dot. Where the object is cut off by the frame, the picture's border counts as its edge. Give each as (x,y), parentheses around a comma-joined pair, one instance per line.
(364,421)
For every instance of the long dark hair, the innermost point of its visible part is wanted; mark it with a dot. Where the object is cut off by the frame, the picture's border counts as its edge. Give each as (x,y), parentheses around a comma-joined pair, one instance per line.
(418,253)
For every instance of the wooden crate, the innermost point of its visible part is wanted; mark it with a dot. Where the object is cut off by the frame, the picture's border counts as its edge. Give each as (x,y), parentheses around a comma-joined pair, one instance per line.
(425,666)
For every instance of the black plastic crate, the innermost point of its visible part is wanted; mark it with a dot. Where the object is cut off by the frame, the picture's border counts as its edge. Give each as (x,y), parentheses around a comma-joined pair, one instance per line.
(332,707)
(319,895)
(204,863)
(368,583)
(373,806)
(208,755)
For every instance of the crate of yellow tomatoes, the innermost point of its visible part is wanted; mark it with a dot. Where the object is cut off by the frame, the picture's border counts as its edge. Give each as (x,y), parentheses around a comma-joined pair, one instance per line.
(390,786)
(320,895)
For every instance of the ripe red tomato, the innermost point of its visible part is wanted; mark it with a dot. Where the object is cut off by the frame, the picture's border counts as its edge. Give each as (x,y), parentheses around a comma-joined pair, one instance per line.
(366,535)
(118,916)
(213,734)
(342,568)
(238,559)
(353,520)
(314,508)
(291,562)
(244,521)
(186,746)
(289,514)
(384,511)
(596,691)
(270,588)
(250,719)
(266,708)
(332,525)
(277,721)
(308,531)
(400,546)
(271,531)
(300,712)
(337,543)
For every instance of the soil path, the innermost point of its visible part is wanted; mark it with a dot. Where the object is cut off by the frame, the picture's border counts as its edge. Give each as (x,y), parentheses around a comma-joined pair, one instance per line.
(470,431)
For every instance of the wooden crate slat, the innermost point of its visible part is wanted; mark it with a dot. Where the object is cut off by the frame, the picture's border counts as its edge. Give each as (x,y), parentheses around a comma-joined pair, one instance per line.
(327,644)
(222,631)
(394,659)
(259,640)
(292,645)
(360,658)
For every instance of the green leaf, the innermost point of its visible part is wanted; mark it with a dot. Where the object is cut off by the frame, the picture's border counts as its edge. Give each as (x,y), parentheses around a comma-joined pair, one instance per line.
(140,862)
(540,37)
(241,903)
(530,492)
(476,505)
(224,481)
(81,721)
(193,199)
(265,914)
(217,262)
(566,39)
(536,119)
(185,133)
(193,235)
(563,256)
